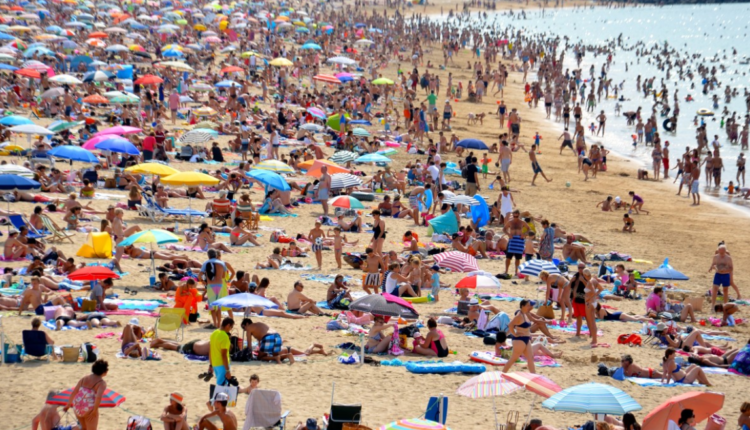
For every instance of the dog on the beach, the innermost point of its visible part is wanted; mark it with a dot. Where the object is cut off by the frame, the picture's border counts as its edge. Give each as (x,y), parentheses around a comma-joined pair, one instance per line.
(474,118)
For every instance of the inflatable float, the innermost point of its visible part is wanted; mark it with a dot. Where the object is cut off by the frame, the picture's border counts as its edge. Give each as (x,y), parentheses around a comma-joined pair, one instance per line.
(705,112)
(486,357)
(455,367)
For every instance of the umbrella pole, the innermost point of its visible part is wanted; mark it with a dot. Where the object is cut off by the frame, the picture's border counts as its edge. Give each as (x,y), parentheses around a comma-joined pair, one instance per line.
(494,411)
(362,349)
(528,417)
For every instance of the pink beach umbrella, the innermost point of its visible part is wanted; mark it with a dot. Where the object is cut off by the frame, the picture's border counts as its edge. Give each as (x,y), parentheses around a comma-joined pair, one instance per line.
(96,139)
(392,144)
(119,130)
(317,112)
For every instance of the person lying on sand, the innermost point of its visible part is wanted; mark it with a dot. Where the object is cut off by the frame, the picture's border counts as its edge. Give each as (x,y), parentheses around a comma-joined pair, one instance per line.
(711,360)
(142,254)
(273,261)
(194,347)
(632,369)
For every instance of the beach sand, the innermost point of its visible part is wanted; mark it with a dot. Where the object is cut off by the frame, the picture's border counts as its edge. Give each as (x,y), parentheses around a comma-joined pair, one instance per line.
(685,234)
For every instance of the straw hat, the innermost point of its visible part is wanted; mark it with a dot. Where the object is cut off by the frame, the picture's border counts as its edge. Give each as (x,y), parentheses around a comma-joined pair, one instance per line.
(177,398)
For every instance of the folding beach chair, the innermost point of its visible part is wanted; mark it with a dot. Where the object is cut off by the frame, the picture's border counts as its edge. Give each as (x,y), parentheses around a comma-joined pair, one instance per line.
(220,212)
(263,409)
(341,414)
(54,233)
(19,221)
(170,319)
(35,344)
(437,409)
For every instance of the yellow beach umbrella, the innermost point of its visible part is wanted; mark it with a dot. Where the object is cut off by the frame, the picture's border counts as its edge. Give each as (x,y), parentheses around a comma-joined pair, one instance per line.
(274,166)
(281,62)
(157,169)
(199,27)
(248,54)
(190,179)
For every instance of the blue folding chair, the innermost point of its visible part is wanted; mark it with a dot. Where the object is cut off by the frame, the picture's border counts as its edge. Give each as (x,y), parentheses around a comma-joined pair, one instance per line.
(437,409)
(35,344)
(18,221)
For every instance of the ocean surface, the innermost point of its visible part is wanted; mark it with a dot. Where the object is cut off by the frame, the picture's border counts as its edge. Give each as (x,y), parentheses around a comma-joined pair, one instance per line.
(712,31)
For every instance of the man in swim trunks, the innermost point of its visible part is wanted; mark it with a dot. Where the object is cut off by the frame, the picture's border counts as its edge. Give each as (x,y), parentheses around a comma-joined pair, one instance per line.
(299,303)
(514,229)
(373,267)
(631,369)
(194,347)
(506,157)
(573,252)
(724,266)
(269,341)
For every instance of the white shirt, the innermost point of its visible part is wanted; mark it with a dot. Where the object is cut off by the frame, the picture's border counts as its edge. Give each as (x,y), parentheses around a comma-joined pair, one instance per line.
(434,172)
(436,158)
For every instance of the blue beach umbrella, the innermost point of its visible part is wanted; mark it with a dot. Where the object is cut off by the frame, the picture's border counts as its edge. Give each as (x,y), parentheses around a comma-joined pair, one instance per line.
(14,120)
(310,45)
(269,178)
(172,53)
(5,36)
(373,158)
(592,398)
(473,144)
(15,182)
(75,153)
(535,267)
(227,84)
(666,272)
(118,145)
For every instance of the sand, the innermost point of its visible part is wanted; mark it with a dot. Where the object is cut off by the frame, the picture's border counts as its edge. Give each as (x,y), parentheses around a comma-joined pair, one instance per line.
(687,235)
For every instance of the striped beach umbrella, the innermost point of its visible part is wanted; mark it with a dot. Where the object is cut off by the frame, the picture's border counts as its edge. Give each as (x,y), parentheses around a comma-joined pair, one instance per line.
(461,199)
(317,112)
(346,202)
(110,398)
(488,384)
(537,384)
(457,261)
(343,157)
(14,169)
(535,267)
(274,166)
(592,398)
(480,281)
(156,236)
(373,158)
(414,424)
(344,180)
(361,132)
(329,79)
(195,137)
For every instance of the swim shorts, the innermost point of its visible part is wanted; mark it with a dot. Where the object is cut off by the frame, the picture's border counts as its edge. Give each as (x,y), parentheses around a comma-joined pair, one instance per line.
(271,343)
(505,164)
(187,348)
(722,279)
(536,167)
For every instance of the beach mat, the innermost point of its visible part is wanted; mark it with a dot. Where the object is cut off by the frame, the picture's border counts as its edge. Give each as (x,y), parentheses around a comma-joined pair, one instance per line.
(51,325)
(646,382)
(136,304)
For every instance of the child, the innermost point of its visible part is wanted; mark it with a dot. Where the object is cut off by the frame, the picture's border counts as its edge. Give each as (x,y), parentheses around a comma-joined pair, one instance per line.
(730,188)
(592,127)
(629,224)
(412,243)
(316,237)
(606,204)
(338,246)
(435,282)
(538,140)
(528,250)
(273,262)
(485,167)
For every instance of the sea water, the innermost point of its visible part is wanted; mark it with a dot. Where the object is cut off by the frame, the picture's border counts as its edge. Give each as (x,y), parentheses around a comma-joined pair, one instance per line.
(707,30)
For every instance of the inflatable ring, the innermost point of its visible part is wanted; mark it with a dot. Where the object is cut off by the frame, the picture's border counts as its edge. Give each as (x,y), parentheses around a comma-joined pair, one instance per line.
(705,112)
(669,124)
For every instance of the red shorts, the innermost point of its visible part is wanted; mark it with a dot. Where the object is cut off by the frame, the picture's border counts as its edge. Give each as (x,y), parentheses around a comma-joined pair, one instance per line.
(579,310)
(665,163)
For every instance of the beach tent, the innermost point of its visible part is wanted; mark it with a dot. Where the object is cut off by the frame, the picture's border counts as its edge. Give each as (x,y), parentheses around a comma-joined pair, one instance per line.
(444,224)
(480,213)
(98,245)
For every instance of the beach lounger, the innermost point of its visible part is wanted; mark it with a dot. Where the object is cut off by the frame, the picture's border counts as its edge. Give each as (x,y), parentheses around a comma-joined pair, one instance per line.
(341,414)
(54,233)
(170,320)
(35,344)
(158,213)
(19,221)
(263,409)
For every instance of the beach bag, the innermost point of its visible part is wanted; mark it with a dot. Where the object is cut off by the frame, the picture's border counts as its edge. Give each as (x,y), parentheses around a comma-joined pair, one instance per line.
(546,311)
(88,305)
(716,422)
(89,352)
(629,339)
(71,354)
(137,422)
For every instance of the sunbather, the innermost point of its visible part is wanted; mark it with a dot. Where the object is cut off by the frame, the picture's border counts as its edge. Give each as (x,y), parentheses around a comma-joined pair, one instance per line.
(273,261)
(194,347)
(632,369)
(239,236)
(606,315)
(710,360)
(301,304)
(143,254)
(537,346)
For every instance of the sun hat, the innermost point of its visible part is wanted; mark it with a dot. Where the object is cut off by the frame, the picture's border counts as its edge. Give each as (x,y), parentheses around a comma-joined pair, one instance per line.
(177,398)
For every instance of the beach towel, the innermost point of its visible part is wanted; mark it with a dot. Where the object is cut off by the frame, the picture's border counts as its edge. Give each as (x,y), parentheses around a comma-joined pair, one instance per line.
(278,215)
(502,297)
(196,358)
(328,279)
(150,358)
(136,304)
(572,329)
(50,324)
(645,382)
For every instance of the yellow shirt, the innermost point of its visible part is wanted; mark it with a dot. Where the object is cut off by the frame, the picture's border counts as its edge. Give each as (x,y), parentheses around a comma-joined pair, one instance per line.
(219,340)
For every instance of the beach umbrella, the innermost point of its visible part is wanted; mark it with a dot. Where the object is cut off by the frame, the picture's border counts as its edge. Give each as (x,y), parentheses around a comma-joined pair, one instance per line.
(360,122)
(535,267)
(177,65)
(29,73)
(271,179)
(360,132)
(461,199)
(315,128)
(243,301)
(232,69)
(364,42)
(93,273)
(110,399)
(382,81)
(227,84)
(487,384)
(74,153)
(343,157)
(316,168)
(149,80)
(127,99)
(95,99)
(346,202)
(665,272)
(330,79)
(65,79)
(190,179)
(341,60)
(12,182)
(157,169)
(59,126)
(119,130)
(120,145)
(172,53)
(317,112)
(310,45)
(274,166)
(480,281)
(473,144)
(373,158)
(53,92)
(91,143)
(12,120)
(281,62)
(537,384)
(7,66)
(344,76)
(97,76)
(14,169)
(592,398)
(344,180)
(195,137)
(31,129)
(206,124)
(703,404)
(414,424)
(457,261)
(386,305)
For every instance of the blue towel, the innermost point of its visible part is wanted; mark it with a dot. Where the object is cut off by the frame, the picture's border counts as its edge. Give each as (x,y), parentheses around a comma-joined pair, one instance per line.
(646,382)
(51,325)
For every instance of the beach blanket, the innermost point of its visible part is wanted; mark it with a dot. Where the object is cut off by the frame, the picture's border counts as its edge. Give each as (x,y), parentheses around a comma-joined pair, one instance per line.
(10,291)
(277,215)
(123,356)
(502,297)
(136,304)
(50,324)
(645,382)
(196,358)
(328,279)
(721,371)
(571,329)
(711,337)
(132,312)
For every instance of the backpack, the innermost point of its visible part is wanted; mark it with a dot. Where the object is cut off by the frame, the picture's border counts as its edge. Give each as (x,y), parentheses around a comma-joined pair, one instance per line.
(465,172)
(89,352)
(137,422)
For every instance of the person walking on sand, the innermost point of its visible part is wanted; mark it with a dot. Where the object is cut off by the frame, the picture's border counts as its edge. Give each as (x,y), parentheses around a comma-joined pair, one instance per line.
(724,266)
(324,187)
(505,156)
(520,328)
(695,182)
(87,396)
(535,167)
(218,352)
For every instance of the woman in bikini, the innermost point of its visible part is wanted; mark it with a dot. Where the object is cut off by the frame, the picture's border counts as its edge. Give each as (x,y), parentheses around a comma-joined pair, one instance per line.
(434,344)
(206,240)
(73,218)
(519,327)
(118,227)
(377,341)
(606,315)
(143,254)
(592,290)
(239,236)
(558,290)
(675,372)
(87,395)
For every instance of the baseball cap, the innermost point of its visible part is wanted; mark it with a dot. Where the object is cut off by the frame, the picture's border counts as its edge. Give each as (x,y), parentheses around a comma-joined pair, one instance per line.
(177,397)
(221,397)
(435,267)
(311,424)
(473,302)
(134,321)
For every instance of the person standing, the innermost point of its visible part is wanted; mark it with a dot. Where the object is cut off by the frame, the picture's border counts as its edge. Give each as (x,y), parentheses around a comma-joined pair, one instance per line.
(148,144)
(591,291)
(87,395)
(506,157)
(213,271)
(547,241)
(472,178)
(324,187)
(218,352)
(724,267)
(520,329)
(665,159)
(174,104)
(535,166)
(695,183)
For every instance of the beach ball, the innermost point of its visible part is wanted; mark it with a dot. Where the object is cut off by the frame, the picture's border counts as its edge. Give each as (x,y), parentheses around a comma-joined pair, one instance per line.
(567,184)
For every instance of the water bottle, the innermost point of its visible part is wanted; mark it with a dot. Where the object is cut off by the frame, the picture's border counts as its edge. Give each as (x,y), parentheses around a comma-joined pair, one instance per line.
(644,329)
(176,227)
(21,284)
